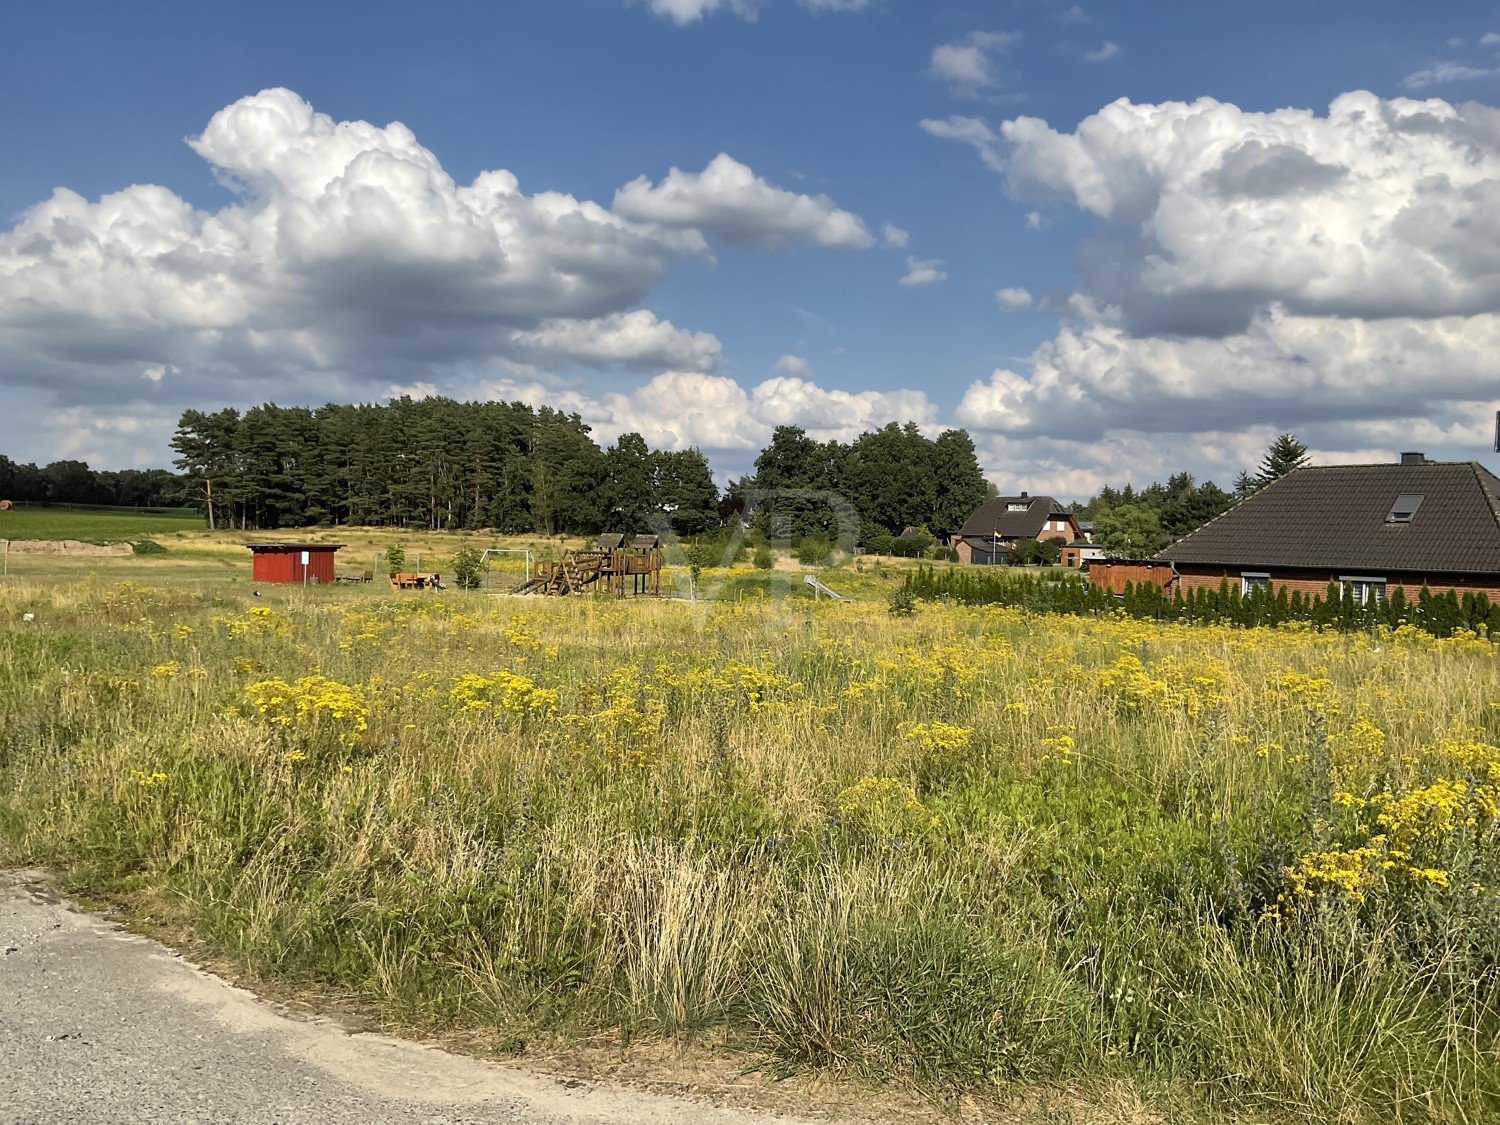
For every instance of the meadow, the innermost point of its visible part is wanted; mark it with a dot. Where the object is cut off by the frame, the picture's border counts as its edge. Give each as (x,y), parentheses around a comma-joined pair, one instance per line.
(1251,874)
(94,526)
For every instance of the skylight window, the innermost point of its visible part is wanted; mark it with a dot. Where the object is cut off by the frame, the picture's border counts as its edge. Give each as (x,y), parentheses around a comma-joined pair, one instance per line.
(1404,508)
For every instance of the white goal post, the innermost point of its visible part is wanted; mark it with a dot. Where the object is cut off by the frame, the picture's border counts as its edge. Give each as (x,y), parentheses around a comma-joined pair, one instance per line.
(484,558)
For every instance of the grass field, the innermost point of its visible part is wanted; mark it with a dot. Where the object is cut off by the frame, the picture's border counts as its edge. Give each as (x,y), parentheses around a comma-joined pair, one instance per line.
(92,526)
(1252,874)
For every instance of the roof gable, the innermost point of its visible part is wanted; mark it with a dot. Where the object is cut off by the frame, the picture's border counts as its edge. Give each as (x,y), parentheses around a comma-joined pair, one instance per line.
(1342,517)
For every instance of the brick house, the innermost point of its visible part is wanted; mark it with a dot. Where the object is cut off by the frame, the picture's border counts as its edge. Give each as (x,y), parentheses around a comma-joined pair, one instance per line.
(1368,528)
(997,525)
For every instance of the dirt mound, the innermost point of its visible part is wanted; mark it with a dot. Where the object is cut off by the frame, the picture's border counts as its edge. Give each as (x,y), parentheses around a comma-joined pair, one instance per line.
(67,547)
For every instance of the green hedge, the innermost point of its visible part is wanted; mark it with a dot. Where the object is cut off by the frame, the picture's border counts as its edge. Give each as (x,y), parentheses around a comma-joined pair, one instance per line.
(1439,614)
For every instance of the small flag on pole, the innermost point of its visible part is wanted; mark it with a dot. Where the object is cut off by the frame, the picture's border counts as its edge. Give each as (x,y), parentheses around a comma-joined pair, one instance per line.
(1497,431)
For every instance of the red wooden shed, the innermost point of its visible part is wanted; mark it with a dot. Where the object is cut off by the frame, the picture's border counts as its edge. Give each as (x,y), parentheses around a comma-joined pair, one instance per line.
(292,562)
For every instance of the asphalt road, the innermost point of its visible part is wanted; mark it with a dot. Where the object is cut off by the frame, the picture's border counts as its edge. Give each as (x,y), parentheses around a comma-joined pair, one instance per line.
(98,1025)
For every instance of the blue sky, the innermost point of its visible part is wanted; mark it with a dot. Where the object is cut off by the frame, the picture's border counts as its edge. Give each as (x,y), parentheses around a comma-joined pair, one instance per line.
(1181,280)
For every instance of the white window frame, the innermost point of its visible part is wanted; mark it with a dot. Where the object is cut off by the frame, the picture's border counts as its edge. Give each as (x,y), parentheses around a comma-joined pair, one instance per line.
(1250,579)
(1361,587)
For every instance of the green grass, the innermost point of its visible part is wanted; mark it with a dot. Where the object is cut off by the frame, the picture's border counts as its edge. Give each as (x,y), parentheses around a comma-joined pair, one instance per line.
(91,526)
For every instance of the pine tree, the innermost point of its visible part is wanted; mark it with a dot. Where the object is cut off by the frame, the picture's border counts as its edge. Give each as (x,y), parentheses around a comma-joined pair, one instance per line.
(204,444)
(1246,485)
(1285,454)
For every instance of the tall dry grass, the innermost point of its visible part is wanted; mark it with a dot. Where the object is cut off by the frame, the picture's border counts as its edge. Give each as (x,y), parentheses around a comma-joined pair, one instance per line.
(963,850)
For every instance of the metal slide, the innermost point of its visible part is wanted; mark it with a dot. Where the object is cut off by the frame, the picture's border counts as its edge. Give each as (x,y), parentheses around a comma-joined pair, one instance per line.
(819,588)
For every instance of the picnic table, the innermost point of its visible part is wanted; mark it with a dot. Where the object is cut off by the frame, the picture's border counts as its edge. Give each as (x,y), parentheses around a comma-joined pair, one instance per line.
(419,581)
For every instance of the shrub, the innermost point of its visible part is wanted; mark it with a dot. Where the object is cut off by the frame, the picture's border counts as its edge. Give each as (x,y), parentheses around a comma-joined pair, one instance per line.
(702,555)
(395,559)
(911,546)
(814,551)
(903,603)
(468,569)
(1035,552)
(764,560)
(148,547)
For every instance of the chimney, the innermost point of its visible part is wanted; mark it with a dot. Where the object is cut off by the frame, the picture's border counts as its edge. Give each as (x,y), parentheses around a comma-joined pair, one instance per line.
(1413,459)
(1025,497)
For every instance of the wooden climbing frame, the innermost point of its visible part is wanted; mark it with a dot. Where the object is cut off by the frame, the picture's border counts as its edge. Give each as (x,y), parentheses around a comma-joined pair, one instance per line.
(612,568)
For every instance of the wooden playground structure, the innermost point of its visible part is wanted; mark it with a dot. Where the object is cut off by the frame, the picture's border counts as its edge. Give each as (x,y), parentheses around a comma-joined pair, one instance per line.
(611,568)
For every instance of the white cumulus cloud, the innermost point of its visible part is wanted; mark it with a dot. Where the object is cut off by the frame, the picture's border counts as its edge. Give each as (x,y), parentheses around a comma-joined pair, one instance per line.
(349,261)
(684,12)
(968,66)
(971,131)
(1015,299)
(634,339)
(794,365)
(1337,274)
(922,273)
(1208,212)
(349,250)
(1108,51)
(892,235)
(1094,377)
(686,409)
(730,201)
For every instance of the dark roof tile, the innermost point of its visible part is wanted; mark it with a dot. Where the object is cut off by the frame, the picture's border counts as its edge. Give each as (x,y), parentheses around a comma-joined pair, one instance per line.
(1335,517)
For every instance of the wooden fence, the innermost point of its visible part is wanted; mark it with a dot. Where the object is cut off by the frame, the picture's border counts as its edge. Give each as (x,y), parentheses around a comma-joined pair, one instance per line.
(1113,574)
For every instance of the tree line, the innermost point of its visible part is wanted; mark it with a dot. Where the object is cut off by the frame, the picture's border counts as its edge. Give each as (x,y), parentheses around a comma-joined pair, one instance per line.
(73,482)
(440,464)
(436,463)
(433,464)
(888,490)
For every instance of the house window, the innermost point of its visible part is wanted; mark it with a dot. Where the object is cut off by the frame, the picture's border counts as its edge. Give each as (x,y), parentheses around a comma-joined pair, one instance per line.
(1017,507)
(1250,581)
(1364,591)
(1404,508)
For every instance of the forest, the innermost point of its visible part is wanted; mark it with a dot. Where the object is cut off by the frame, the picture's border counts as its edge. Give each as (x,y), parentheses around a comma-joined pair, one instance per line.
(436,464)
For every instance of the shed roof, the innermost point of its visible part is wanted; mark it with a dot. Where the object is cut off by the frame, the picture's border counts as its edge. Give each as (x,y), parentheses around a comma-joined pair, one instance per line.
(295,546)
(611,540)
(1338,517)
(995,517)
